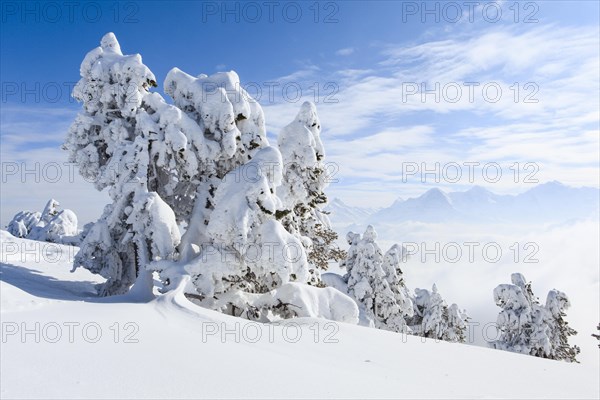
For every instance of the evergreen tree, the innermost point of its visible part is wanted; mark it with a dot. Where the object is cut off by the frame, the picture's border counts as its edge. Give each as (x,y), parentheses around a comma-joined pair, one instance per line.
(368,285)
(231,124)
(515,320)
(528,327)
(142,149)
(559,330)
(457,324)
(203,165)
(394,276)
(302,190)
(433,318)
(247,251)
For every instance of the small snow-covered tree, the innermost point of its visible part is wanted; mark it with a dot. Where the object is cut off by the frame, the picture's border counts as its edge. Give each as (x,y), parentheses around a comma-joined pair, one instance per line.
(51,225)
(559,330)
(303,188)
(435,316)
(353,239)
(368,283)
(457,324)
(394,276)
(515,320)
(528,327)
(597,335)
(23,223)
(434,319)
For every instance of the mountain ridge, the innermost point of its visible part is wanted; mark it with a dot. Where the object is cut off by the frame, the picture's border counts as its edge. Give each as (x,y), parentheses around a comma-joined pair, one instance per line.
(548,202)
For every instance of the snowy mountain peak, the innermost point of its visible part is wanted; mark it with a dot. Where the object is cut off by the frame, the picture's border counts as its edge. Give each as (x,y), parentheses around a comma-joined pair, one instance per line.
(399,200)
(478,190)
(434,196)
(337,202)
(476,194)
(549,202)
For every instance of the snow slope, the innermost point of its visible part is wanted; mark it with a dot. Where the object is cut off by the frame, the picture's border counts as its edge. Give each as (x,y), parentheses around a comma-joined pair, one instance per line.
(170,348)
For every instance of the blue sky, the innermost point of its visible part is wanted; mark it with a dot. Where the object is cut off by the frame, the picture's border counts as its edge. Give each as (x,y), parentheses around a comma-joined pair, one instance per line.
(364,59)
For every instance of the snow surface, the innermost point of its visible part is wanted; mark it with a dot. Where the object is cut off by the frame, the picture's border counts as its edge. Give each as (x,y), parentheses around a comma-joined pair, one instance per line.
(182,351)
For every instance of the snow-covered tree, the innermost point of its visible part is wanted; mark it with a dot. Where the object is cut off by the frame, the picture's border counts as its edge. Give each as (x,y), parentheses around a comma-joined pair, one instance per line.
(457,324)
(559,330)
(515,320)
(23,223)
(144,151)
(435,315)
(246,250)
(368,282)
(51,225)
(233,126)
(528,327)
(303,188)
(394,276)
(433,318)
(597,335)
(353,239)
(132,231)
(203,165)
(111,89)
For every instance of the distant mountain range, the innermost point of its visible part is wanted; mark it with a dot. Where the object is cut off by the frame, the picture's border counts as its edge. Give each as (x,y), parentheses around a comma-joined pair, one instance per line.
(343,214)
(546,203)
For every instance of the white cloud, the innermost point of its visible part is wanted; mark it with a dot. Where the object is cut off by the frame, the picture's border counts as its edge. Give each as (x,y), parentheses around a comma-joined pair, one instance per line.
(345,51)
(35,169)
(371,125)
(554,66)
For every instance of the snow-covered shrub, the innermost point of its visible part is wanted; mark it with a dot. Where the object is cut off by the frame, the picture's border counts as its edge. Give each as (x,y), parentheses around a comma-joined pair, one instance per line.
(368,282)
(51,225)
(302,191)
(23,223)
(528,327)
(433,318)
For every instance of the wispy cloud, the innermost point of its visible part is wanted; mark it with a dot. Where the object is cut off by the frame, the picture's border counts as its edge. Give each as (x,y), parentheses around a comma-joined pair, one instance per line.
(36,169)
(377,117)
(345,51)
(525,96)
